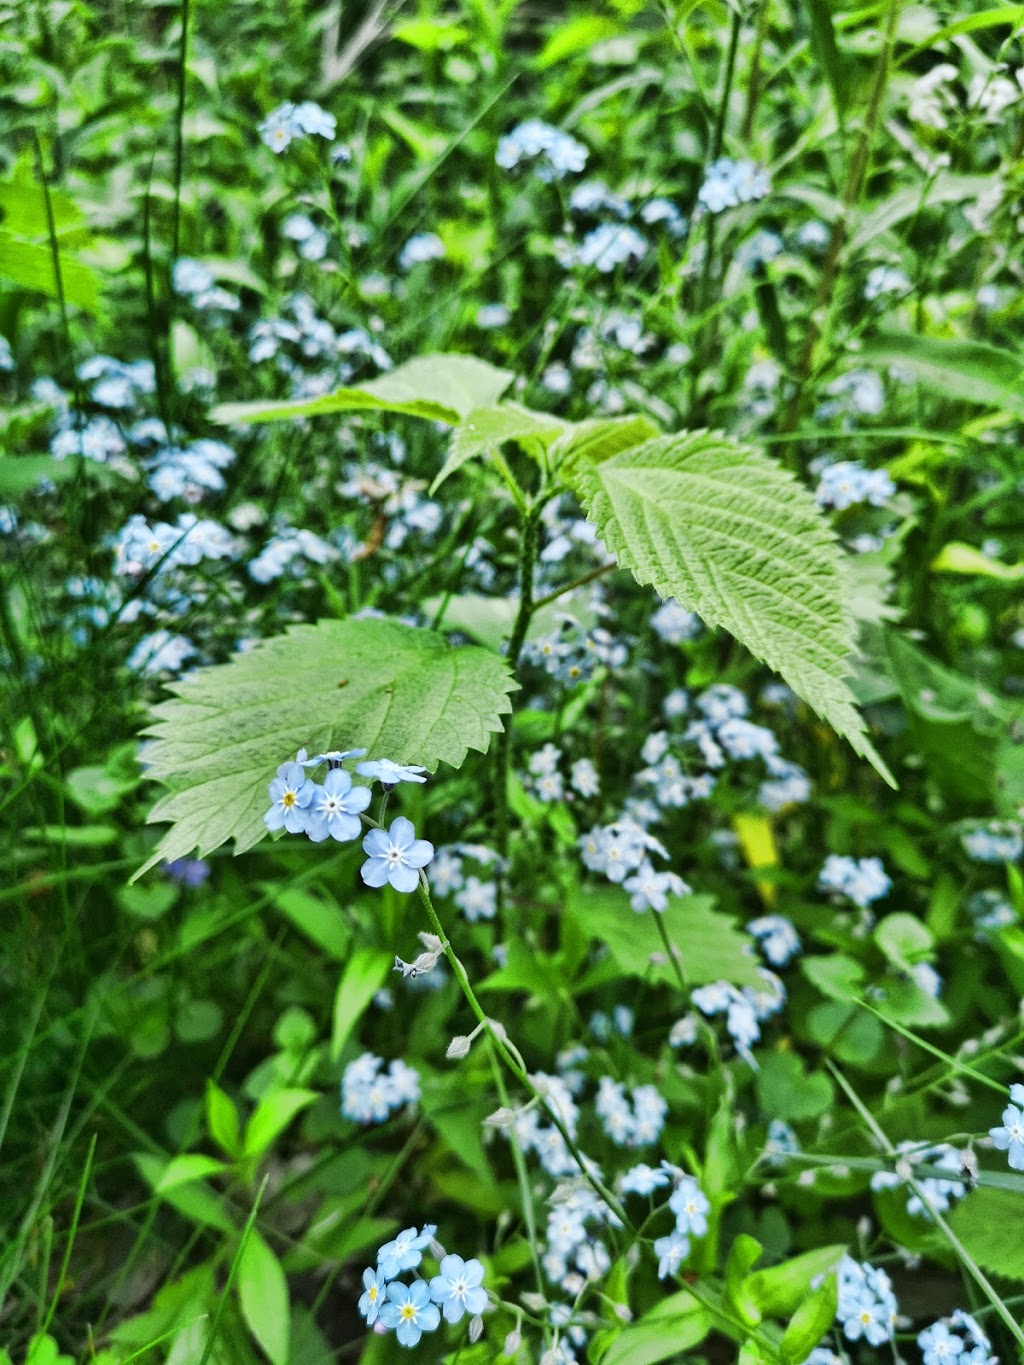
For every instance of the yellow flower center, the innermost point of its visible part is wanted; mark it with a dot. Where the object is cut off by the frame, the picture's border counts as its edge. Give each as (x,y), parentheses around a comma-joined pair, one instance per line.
(372,1291)
(408,1312)
(288,799)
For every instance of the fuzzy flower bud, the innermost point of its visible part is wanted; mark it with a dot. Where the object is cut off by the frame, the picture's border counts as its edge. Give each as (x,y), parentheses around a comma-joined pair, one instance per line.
(512,1342)
(476,1329)
(458,1047)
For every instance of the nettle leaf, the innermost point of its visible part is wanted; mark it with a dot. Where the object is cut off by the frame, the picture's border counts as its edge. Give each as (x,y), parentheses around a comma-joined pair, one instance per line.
(398,691)
(488,428)
(602,437)
(441,388)
(734,537)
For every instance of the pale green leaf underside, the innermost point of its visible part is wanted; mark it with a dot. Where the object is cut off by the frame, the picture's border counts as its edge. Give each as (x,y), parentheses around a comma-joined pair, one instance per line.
(487,428)
(602,437)
(442,388)
(735,538)
(397,691)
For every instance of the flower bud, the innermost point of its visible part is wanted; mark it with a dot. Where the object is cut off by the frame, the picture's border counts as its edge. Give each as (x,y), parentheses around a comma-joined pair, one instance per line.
(430,941)
(458,1047)
(501,1118)
(512,1342)
(437,1250)
(498,1030)
(476,1329)
(536,1303)
(623,1312)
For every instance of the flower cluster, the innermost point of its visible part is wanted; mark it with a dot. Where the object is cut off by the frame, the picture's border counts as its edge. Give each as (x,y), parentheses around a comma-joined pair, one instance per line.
(569,1241)
(332,809)
(848,482)
(409,1310)
(744,1009)
(968,1345)
(289,121)
(622,848)
(370,1095)
(863,880)
(936,1193)
(636,1124)
(555,153)
(867,1306)
(1009,1136)
(776,938)
(727,184)
(571,654)
(690,1205)
(997,842)
(195,281)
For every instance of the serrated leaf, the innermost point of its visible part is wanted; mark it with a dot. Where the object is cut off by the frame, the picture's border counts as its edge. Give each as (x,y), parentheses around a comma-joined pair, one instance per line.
(602,437)
(400,692)
(442,388)
(487,428)
(733,536)
(263,1298)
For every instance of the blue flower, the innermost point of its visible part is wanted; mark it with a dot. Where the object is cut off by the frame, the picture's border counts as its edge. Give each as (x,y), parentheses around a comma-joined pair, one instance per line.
(690,1205)
(938,1345)
(458,1288)
(409,1311)
(331,756)
(671,1251)
(405,1252)
(291,792)
(372,1297)
(395,856)
(390,773)
(334,809)
(1010,1137)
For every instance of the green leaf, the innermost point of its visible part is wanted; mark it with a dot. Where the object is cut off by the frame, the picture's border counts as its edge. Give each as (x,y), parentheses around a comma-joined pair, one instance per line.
(186,1170)
(263,1298)
(744,1254)
(970,370)
(490,620)
(360,981)
(430,35)
(442,388)
(734,537)
(575,36)
(837,976)
(272,1116)
(400,692)
(19,473)
(222,1120)
(673,1325)
(711,948)
(488,428)
(196,1203)
(810,1322)
(780,1290)
(30,266)
(904,940)
(956,557)
(985,1221)
(945,188)
(320,920)
(785,1090)
(602,437)
(827,54)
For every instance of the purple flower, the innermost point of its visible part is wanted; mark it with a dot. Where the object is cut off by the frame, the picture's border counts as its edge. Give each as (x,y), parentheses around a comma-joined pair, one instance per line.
(395,856)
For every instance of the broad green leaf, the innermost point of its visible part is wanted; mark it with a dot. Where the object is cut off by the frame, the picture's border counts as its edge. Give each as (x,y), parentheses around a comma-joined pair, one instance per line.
(186,1170)
(786,1090)
(196,1202)
(29,265)
(272,1116)
(320,920)
(987,1222)
(956,725)
(430,35)
(362,978)
(744,1254)
(601,438)
(970,370)
(442,388)
(263,1298)
(673,1325)
(810,1322)
(780,1290)
(956,557)
(19,473)
(575,36)
(904,939)
(711,948)
(946,188)
(400,692)
(836,975)
(734,537)
(487,428)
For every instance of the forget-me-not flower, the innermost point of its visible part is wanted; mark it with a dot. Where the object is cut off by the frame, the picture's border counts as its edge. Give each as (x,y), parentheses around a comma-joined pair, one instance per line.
(291,792)
(389,774)
(372,1297)
(459,1288)
(409,1312)
(406,1251)
(395,856)
(335,807)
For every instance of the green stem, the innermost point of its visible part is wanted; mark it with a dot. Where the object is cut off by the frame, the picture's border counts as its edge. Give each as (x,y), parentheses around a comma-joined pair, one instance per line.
(527,560)
(517,1069)
(580,582)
